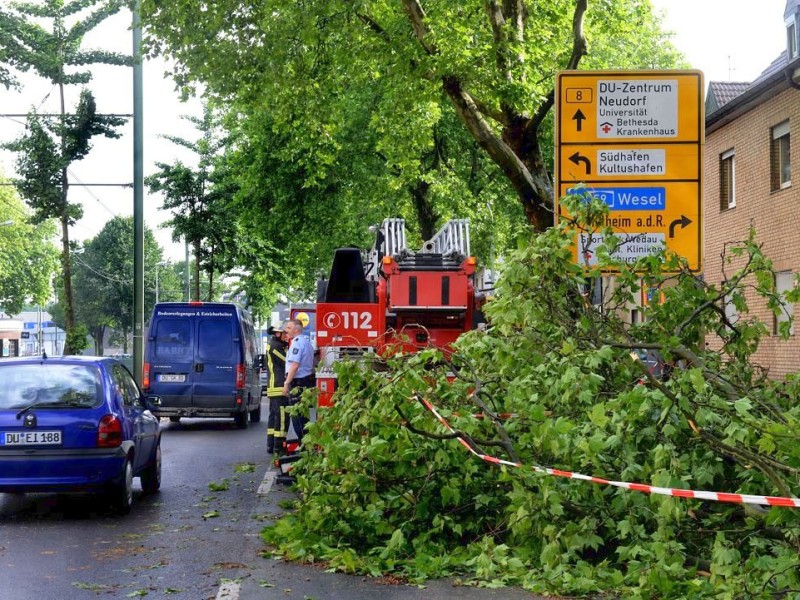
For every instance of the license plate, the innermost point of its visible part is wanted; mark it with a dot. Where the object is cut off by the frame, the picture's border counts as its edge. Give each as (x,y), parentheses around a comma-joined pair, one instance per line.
(172,377)
(30,438)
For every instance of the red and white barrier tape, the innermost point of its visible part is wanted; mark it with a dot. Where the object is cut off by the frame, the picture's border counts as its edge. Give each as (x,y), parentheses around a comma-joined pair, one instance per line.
(637,487)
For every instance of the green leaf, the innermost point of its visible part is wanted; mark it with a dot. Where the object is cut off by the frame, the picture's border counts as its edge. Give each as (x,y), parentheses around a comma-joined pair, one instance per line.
(697,379)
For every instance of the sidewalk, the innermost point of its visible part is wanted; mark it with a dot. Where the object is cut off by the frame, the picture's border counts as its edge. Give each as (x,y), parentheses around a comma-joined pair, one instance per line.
(301,582)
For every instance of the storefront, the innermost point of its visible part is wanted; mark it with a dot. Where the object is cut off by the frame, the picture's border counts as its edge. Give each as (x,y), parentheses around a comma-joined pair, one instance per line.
(10,334)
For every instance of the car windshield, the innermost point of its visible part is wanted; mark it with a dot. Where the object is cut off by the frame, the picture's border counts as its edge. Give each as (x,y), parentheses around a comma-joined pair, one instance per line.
(52,385)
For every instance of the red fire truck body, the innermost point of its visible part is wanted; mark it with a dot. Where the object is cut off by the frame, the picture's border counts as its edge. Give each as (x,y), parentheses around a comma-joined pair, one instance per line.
(395,300)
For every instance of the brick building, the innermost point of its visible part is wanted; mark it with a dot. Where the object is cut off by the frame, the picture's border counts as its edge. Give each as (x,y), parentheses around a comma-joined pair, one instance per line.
(752,177)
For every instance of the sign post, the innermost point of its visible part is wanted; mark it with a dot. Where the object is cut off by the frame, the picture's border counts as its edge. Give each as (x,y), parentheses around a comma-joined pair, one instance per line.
(634,139)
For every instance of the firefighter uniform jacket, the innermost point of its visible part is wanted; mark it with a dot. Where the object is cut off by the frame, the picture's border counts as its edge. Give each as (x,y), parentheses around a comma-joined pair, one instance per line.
(276,367)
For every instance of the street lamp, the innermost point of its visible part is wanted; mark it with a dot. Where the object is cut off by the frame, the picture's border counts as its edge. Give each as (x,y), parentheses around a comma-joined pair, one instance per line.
(159,264)
(7,223)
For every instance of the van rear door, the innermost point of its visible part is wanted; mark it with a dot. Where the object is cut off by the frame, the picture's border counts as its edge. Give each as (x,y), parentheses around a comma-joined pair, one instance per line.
(172,348)
(218,353)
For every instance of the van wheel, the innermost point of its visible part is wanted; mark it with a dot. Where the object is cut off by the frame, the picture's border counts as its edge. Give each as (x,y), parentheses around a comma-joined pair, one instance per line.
(241,420)
(255,415)
(174,419)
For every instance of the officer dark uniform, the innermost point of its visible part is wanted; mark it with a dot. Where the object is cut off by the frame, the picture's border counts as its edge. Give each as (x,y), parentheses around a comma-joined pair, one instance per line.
(276,375)
(299,370)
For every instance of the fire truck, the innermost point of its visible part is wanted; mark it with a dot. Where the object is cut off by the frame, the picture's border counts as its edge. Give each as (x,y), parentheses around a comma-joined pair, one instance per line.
(393,299)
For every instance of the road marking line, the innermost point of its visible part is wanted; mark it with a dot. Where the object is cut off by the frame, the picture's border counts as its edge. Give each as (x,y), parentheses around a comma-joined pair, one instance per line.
(229,591)
(266,484)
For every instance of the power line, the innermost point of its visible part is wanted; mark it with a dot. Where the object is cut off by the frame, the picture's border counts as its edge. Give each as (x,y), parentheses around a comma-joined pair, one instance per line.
(13,116)
(80,184)
(96,272)
(46,96)
(100,202)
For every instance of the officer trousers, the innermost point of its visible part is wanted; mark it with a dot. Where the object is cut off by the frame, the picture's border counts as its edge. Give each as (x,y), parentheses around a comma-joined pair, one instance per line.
(298,385)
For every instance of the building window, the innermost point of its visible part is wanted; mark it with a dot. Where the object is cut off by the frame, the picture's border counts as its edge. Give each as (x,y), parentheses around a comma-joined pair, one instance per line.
(780,157)
(784,282)
(727,177)
(791,39)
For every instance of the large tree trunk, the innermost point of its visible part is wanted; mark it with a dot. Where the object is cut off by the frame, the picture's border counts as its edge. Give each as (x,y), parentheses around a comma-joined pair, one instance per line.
(69,311)
(516,151)
(533,185)
(98,333)
(426,217)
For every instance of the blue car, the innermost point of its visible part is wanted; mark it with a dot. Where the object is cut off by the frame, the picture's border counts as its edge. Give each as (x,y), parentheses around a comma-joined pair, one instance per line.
(76,424)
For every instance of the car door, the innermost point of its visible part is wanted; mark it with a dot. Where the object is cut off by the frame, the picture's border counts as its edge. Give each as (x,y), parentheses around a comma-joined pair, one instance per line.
(143,425)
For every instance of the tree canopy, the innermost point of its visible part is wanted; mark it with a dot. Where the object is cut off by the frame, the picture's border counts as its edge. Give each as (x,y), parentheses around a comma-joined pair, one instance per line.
(47,38)
(424,110)
(104,280)
(28,258)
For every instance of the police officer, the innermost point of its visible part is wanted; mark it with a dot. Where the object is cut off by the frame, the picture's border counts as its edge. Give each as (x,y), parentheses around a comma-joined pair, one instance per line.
(276,375)
(299,369)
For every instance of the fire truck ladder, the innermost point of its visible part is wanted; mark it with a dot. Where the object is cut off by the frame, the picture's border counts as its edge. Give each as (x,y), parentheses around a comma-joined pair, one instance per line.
(447,249)
(452,240)
(394,237)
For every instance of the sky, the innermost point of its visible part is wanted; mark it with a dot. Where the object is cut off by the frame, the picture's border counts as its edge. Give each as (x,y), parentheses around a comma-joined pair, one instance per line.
(111,161)
(729,40)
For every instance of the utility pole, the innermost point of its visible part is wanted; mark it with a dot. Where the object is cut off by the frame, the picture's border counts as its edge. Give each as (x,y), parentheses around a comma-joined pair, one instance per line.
(40,346)
(138,199)
(186,295)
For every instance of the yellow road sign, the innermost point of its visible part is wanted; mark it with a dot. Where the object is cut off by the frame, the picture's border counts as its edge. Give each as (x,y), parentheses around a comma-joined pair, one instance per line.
(619,162)
(635,138)
(640,216)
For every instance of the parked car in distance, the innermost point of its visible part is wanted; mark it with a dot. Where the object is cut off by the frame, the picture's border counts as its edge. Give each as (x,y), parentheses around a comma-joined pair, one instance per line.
(76,424)
(654,362)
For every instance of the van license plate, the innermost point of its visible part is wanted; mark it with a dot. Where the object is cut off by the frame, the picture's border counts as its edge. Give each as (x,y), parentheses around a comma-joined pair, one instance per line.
(172,377)
(30,438)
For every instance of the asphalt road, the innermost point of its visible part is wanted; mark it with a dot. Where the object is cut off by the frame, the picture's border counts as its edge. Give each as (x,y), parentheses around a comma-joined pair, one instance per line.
(180,543)
(186,542)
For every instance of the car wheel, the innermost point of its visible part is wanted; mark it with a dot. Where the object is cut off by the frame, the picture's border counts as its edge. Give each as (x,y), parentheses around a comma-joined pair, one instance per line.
(151,476)
(174,419)
(255,415)
(122,490)
(241,420)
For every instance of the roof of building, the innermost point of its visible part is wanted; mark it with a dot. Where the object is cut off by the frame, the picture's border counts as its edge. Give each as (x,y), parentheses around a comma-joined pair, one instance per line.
(725,100)
(722,92)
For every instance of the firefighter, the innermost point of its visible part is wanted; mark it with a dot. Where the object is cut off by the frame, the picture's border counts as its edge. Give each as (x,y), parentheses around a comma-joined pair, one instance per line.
(276,375)
(299,370)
